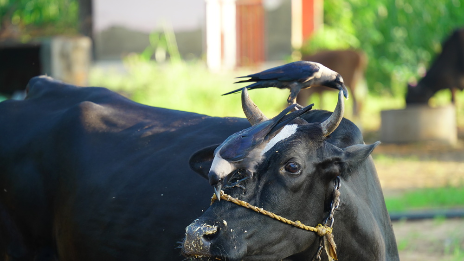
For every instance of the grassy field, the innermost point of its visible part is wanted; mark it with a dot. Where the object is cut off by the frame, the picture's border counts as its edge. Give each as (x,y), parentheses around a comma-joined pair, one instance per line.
(430,240)
(185,86)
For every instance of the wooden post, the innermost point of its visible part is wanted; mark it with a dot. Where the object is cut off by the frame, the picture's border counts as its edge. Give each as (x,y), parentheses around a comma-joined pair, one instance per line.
(234,33)
(213,35)
(67,58)
(250,33)
(307,17)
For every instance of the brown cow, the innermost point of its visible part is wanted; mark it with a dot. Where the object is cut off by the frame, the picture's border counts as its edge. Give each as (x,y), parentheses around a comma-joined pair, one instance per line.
(349,63)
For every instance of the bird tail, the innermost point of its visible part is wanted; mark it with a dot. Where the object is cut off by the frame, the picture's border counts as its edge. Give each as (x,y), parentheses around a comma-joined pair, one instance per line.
(249,87)
(234,91)
(247,80)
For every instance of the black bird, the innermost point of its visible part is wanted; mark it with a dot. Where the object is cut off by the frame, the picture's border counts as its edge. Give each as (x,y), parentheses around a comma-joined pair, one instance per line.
(295,76)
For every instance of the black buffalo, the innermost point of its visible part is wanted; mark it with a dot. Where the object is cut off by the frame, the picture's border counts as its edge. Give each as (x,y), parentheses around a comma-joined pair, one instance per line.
(291,172)
(446,72)
(86,174)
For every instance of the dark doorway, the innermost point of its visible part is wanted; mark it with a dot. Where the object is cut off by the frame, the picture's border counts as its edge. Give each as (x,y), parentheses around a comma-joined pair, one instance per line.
(18,64)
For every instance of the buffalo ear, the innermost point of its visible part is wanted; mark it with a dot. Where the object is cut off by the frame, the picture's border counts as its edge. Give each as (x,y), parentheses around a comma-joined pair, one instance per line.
(343,159)
(355,154)
(201,160)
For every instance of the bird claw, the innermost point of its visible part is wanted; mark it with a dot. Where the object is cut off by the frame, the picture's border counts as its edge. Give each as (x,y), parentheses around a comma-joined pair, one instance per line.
(297,107)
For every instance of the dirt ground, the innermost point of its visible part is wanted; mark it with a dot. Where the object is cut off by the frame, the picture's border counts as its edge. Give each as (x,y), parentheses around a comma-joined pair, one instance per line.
(430,240)
(410,166)
(403,167)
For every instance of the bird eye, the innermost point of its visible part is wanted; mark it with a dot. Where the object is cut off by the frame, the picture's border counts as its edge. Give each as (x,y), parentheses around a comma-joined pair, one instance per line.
(292,167)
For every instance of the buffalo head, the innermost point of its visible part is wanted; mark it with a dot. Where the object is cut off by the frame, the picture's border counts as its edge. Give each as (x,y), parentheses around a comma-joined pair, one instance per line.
(418,95)
(284,165)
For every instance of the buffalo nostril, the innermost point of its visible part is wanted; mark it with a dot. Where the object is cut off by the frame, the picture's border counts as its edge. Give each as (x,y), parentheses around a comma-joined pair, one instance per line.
(210,234)
(198,238)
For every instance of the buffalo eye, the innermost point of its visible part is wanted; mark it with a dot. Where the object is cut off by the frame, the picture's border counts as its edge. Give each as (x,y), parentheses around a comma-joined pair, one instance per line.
(292,167)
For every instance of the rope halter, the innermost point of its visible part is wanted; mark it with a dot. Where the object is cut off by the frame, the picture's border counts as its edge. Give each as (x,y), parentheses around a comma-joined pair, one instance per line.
(323,231)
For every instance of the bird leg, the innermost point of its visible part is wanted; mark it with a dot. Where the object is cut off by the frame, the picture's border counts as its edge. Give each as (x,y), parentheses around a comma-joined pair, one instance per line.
(298,107)
(294,90)
(291,101)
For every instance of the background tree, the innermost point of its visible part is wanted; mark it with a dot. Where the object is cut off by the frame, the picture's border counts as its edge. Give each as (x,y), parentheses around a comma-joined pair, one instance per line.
(400,37)
(34,18)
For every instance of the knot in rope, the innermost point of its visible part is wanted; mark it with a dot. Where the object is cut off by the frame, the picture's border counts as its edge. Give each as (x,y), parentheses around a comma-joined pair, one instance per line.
(323,230)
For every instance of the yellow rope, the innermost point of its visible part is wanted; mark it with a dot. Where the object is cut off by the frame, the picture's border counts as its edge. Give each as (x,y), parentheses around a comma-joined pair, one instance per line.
(319,229)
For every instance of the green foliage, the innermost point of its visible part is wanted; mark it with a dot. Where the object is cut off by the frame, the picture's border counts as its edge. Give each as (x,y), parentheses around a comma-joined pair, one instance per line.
(161,45)
(427,198)
(330,38)
(52,16)
(338,31)
(400,37)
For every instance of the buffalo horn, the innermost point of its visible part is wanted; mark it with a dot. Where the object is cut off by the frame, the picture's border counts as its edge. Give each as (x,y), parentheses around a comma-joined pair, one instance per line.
(329,125)
(252,112)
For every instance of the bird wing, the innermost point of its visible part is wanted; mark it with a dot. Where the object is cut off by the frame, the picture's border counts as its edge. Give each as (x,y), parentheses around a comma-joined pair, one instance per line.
(296,71)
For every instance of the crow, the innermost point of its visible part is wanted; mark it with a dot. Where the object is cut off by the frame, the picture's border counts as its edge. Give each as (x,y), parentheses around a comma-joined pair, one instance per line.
(295,76)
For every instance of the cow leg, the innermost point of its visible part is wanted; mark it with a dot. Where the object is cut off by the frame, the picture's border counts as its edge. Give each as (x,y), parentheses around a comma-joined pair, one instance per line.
(355,105)
(321,99)
(303,97)
(356,91)
(453,95)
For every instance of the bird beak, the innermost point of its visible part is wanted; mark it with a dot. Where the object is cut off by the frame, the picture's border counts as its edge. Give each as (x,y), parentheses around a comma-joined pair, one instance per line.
(343,88)
(217,190)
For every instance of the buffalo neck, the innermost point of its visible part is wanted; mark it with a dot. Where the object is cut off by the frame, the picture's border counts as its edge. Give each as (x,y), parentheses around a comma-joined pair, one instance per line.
(360,219)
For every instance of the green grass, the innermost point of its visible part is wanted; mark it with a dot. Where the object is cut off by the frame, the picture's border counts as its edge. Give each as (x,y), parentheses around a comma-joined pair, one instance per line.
(455,250)
(186,86)
(403,244)
(427,198)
